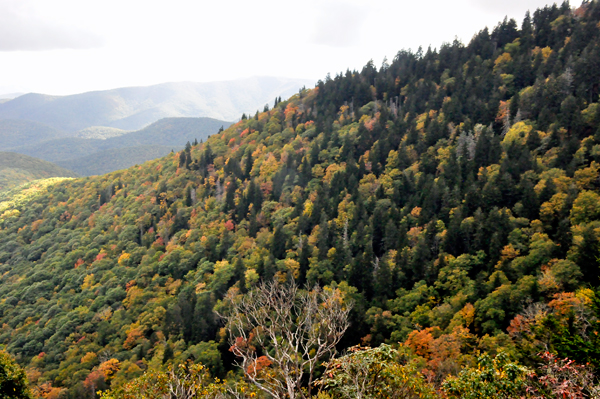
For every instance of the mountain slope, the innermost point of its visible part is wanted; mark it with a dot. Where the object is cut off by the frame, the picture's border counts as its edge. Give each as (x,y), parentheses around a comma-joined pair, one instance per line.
(132,108)
(97,156)
(107,161)
(452,196)
(17,133)
(16,169)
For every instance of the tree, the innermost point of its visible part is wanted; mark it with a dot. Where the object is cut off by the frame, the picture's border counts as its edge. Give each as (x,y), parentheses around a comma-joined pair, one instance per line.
(374,373)
(563,378)
(13,382)
(184,381)
(492,378)
(281,332)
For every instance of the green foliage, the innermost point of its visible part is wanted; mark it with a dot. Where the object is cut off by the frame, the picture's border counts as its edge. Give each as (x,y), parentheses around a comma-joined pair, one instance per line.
(492,378)
(13,382)
(392,185)
(374,373)
(188,380)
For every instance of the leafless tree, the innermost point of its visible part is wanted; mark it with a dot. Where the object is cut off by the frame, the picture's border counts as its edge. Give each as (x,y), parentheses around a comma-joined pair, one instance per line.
(280,333)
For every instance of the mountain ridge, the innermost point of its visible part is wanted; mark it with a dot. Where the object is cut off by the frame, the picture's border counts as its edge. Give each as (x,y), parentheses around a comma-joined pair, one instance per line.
(16,169)
(155,140)
(132,108)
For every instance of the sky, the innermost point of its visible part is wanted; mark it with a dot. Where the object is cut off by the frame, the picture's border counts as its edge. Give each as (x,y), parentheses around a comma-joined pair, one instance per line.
(71,46)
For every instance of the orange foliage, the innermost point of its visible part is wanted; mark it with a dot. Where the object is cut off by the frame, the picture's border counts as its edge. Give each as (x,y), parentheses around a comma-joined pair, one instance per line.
(36,224)
(79,263)
(260,363)
(229,225)
(564,303)
(130,284)
(47,391)
(133,336)
(421,341)
(502,111)
(109,367)
(441,353)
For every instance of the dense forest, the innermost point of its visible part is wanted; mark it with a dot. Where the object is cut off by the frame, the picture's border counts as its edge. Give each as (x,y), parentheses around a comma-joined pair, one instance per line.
(452,195)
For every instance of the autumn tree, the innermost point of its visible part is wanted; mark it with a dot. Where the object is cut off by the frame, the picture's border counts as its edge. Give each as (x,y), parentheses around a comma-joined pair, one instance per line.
(374,373)
(184,381)
(13,382)
(280,333)
(493,378)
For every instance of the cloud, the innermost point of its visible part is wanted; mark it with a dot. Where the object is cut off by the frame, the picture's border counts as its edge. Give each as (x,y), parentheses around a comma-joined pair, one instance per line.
(22,29)
(339,25)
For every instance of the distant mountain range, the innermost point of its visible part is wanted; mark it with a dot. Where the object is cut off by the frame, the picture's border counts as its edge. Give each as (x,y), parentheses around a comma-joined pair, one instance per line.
(16,169)
(87,156)
(132,108)
(102,131)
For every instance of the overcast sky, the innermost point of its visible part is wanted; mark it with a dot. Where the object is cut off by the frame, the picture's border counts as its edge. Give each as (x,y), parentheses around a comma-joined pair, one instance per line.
(72,46)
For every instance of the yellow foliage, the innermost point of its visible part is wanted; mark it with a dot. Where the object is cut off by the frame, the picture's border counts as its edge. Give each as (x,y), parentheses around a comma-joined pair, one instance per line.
(89,357)
(517,133)
(133,294)
(585,208)
(308,207)
(109,367)
(88,282)
(293,267)
(553,206)
(124,258)
(585,178)
(251,277)
(331,170)
(502,60)
(269,166)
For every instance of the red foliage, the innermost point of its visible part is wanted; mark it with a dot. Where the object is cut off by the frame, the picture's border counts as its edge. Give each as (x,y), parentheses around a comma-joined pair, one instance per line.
(563,378)
(93,380)
(79,263)
(229,225)
(260,363)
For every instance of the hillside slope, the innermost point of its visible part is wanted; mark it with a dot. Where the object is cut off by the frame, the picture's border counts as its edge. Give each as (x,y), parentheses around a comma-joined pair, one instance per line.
(451,195)
(101,162)
(133,108)
(17,133)
(96,156)
(16,169)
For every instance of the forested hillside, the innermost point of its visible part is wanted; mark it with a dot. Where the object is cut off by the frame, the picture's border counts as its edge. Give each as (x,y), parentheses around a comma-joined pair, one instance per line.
(16,133)
(94,156)
(451,194)
(16,169)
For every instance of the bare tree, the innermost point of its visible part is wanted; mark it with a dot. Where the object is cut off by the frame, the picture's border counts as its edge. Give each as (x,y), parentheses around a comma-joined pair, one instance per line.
(281,332)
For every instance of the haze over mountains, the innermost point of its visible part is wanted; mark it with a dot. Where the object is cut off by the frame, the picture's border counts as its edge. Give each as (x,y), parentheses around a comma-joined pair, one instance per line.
(102,131)
(87,156)
(132,108)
